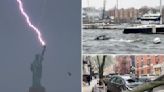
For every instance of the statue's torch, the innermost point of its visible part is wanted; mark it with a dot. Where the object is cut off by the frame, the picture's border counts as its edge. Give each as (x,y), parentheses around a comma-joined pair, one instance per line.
(43,51)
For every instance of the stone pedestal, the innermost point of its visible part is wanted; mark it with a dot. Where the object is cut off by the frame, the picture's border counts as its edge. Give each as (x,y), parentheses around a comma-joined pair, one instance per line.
(37,89)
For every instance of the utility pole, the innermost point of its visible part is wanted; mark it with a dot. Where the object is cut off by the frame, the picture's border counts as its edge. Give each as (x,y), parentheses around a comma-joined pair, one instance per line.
(117,4)
(116,12)
(88,10)
(103,14)
(160,11)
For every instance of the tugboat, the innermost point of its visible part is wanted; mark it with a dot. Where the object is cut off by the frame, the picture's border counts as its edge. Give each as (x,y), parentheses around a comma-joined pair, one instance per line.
(151,23)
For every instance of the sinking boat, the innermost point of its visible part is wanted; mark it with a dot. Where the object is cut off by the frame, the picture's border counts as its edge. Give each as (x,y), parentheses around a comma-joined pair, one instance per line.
(102,37)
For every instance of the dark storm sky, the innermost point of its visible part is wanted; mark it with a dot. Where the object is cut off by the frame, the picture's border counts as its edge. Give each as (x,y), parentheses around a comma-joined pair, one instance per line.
(59,21)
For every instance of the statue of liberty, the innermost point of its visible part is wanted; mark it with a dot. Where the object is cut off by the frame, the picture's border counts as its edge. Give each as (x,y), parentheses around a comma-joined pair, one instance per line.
(36,69)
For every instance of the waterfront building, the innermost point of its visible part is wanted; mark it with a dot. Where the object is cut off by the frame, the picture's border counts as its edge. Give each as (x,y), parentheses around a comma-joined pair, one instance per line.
(124,15)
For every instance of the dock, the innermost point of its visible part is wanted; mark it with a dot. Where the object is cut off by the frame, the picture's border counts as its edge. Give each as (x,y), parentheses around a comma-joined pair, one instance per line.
(102,26)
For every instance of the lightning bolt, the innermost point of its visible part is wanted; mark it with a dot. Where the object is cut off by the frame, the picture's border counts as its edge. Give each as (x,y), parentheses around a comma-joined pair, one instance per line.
(35,29)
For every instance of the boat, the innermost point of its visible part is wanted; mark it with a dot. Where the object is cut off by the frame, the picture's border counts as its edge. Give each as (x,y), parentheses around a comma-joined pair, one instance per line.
(150,18)
(151,23)
(102,37)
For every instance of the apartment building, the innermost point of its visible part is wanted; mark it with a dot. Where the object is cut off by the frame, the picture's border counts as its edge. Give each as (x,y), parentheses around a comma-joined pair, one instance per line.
(149,65)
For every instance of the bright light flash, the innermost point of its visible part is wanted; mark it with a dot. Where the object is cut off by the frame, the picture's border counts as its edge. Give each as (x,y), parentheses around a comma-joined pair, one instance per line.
(35,29)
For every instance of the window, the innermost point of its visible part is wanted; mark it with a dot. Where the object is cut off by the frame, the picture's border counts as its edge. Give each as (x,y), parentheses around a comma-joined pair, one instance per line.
(148,62)
(113,80)
(141,58)
(156,59)
(131,81)
(119,81)
(142,71)
(137,65)
(142,63)
(137,72)
(116,80)
(148,71)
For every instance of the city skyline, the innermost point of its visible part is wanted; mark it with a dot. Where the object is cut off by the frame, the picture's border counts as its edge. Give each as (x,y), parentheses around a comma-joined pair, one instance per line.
(121,3)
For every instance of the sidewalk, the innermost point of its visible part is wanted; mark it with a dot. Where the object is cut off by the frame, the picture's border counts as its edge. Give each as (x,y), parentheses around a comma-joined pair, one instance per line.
(98,88)
(87,88)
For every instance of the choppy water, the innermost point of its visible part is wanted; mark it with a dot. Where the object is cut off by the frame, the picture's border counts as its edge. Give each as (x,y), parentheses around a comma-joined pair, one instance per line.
(120,43)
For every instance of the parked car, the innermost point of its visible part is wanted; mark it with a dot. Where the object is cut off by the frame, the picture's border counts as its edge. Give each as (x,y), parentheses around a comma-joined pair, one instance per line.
(119,83)
(143,80)
(107,78)
(151,77)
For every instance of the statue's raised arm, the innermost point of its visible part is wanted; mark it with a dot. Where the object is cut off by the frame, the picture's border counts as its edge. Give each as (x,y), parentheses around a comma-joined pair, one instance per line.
(43,51)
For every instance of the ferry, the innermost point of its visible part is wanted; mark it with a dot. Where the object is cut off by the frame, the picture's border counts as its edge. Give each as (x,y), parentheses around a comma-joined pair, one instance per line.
(151,23)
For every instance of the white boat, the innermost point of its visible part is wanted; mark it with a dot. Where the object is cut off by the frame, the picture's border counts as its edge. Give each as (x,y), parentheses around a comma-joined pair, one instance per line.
(151,23)
(150,18)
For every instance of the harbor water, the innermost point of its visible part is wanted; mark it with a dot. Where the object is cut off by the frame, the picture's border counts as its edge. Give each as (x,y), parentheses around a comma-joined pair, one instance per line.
(120,43)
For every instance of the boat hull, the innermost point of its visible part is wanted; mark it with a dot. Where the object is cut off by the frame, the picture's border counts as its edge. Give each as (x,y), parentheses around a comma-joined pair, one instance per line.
(144,30)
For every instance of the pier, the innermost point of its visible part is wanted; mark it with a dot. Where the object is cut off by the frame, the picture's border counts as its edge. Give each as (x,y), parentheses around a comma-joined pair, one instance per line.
(103,26)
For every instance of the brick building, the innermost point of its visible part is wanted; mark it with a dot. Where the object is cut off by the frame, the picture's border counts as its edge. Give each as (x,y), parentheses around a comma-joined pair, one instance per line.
(149,64)
(124,15)
(123,64)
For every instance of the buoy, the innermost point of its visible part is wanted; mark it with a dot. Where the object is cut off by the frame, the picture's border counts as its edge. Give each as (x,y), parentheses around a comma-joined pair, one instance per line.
(157,40)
